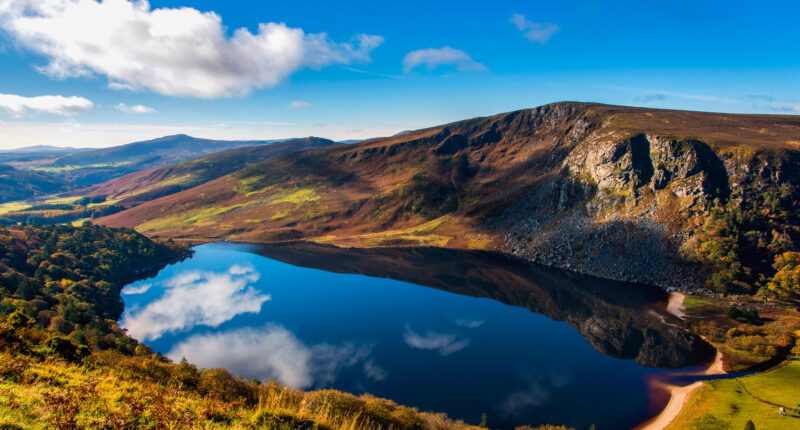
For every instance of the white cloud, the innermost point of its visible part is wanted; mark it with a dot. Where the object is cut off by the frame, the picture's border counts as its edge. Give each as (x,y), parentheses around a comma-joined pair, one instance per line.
(20,106)
(195,298)
(444,343)
(120,86)
(299,104)
(134,108)
(432,58)
(534,31)
(172,51)
(271,352)
(141,289)
(784,107)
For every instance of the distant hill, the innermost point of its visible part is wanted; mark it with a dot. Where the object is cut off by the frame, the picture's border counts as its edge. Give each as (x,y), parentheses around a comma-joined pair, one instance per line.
(43,149)
(98,165)
(18,184)
(647,195)
(138,187)
(36,155)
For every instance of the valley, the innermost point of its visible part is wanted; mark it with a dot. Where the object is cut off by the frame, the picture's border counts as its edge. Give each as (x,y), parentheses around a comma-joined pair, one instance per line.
(582,213)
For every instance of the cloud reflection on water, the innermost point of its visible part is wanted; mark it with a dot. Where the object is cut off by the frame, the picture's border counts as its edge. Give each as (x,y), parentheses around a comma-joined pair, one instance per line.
(541,386)
(141,289)
(444,343)
(197,297)
(275,353)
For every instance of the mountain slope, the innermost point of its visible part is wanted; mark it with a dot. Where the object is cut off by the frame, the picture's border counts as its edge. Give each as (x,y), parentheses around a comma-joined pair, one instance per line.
(138,187)
(98,165)
(18,184)
(655,196)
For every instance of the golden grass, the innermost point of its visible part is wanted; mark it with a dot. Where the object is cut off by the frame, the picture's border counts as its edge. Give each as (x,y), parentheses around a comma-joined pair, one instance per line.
(202,216)
(13,206)
(300,196)
(420,235)
(67,168)
(53,394)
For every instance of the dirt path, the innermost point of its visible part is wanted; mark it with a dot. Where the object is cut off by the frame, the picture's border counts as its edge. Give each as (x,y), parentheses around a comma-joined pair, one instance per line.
(679,395)
(675,304)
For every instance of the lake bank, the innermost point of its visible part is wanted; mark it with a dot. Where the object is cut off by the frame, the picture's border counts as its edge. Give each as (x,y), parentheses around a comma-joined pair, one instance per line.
(530,350)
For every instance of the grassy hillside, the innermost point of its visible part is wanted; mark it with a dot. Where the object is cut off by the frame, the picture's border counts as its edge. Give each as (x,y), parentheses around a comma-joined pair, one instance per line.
(87,167)
(696,200)
(66,364)
(731,403)
(109,390)
(16,184)
(142,186)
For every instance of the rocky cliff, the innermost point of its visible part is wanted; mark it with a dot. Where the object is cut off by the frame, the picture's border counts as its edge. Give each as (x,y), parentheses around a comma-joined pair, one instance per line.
(670,198)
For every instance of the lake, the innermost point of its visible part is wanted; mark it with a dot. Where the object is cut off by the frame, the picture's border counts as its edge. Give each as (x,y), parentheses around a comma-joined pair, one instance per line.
(459,332)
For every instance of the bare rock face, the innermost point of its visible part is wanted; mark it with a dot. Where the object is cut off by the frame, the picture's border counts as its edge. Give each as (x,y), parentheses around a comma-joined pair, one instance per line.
(617,207)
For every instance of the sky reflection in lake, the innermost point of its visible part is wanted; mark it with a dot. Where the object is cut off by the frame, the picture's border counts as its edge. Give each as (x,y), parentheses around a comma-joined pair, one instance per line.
(307,328)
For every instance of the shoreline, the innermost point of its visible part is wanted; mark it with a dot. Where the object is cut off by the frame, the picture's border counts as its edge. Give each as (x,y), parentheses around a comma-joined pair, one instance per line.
(679,395)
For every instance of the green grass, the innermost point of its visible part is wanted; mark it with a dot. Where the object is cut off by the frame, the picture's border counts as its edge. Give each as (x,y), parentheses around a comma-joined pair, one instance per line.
(184,219)
(695,303)
(303,195)
(67,168)
(781,386)
(730,403)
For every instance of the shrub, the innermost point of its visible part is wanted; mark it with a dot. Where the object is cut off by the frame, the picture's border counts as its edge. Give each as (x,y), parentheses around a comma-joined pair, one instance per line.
(64,348)
(59,324)
(19,319)
(221,385)
(14,368)
(744,315)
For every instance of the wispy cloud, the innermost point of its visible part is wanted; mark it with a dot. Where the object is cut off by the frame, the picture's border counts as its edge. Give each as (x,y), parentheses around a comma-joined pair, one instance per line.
(534,31)
(366,72)
(173,51)
(194,298)
(444,343)
(299,104)
(275,353)
(134,108)
(432,58)
(650,98)
(19,106)
(658,95)
(768,103)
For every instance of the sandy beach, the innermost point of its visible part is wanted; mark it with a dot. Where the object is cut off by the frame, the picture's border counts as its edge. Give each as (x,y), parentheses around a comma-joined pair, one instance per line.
(679,395)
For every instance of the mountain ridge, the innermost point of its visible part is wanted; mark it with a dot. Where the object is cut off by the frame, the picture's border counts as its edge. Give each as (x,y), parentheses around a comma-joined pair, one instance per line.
(158,181)
(641,189)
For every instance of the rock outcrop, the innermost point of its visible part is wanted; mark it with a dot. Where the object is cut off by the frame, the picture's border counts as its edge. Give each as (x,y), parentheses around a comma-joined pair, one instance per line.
(616,192)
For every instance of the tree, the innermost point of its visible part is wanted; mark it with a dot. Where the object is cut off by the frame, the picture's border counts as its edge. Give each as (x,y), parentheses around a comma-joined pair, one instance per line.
(749,425)
(786,282)
(19,319)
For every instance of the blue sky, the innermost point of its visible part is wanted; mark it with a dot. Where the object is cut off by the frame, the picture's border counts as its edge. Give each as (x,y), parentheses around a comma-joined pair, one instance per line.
(120,71)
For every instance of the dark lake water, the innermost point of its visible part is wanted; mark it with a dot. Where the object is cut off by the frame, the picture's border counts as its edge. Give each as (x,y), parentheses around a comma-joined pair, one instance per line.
(464,333)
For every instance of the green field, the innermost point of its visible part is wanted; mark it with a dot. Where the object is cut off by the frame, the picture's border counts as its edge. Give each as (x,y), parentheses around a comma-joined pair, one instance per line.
(730,403)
